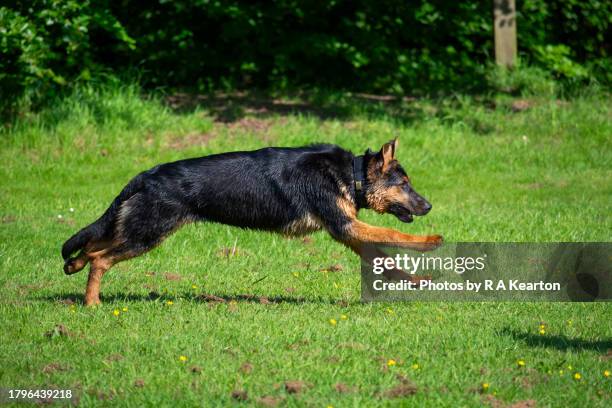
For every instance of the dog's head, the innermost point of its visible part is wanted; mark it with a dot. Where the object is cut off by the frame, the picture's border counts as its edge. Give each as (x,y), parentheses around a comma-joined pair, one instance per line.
(389,189)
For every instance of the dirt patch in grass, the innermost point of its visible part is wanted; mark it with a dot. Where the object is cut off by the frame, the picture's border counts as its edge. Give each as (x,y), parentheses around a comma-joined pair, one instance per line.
(114,357)
(333,268)
(296,386)
(54,367)
(253,125)
(240,395)
(191,140)
(523,404)
(343,388)
(494,402)
(530,378)
(400,390)
(139,383)
(246,125)
(102,395)
(269,401)
(8,219)
(333,359)
(353,345)
(404,388)
(172,276)
(521,105)
(58,331)
(210,298)
(296,345)
(195,369)
(246,368)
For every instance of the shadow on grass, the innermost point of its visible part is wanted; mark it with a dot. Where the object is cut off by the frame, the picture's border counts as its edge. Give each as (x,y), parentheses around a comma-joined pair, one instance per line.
(559,342)
(69,298)
(234,106)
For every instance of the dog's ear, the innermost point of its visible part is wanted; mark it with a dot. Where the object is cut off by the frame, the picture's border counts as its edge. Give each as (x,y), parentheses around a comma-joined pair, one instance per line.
(387,154)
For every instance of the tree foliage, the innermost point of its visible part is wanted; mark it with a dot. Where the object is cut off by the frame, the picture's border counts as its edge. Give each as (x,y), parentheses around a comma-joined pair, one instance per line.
(381,46)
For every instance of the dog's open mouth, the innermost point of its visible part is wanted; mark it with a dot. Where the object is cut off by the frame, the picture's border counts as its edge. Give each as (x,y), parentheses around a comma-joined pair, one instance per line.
(407,217)
(402,213)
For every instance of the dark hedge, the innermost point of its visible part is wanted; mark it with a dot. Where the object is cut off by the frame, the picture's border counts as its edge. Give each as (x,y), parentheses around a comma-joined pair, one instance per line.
(378,46)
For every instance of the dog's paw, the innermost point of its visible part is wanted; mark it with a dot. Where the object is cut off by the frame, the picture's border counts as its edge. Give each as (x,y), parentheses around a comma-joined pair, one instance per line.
(417,279)
(432,242)
(435,239)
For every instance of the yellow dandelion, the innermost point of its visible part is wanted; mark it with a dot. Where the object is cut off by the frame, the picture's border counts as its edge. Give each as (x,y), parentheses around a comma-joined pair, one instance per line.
(577,376)
(116,312)
(561,372)
(391,363)
(485,386)
(344,317)
(333,322)
(390,311)
(542,331)
(169,303)
(569,322)
(569,367)
(194,286)
(606,373)
(330,406)
(542,326)
(521,363)
(415,366)
(125,309)
(183,359)
(295,274)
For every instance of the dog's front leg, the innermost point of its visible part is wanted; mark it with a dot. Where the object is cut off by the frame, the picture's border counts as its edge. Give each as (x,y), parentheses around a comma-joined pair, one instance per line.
(360,237)
(358,234)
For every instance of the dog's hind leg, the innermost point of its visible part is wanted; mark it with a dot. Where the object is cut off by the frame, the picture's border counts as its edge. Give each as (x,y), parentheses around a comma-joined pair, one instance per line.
(99,266)
(142,224)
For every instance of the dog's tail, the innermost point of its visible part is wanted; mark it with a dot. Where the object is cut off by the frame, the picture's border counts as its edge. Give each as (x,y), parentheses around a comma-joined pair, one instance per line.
(98,229)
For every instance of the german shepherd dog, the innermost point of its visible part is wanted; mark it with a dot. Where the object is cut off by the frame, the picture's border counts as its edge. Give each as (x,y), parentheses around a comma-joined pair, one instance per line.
(294,191)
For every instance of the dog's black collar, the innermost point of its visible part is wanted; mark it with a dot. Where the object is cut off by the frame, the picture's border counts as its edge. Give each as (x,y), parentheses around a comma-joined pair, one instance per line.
(360,180)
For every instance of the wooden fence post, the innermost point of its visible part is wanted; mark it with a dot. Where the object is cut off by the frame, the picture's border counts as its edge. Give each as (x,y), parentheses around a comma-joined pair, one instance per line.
(504,23)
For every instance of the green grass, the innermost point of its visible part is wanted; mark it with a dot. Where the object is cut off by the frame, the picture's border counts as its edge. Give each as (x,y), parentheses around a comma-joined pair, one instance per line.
(543,174)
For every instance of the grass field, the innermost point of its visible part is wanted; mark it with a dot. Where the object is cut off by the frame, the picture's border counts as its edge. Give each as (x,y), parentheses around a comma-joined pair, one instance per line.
(218,315)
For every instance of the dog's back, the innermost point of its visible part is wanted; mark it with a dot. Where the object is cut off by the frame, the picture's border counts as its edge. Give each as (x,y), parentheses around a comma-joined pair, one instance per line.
(263,189)
(271,189)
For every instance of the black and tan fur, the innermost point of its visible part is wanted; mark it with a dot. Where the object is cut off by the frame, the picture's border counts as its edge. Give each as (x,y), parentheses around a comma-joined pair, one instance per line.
(293,191)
